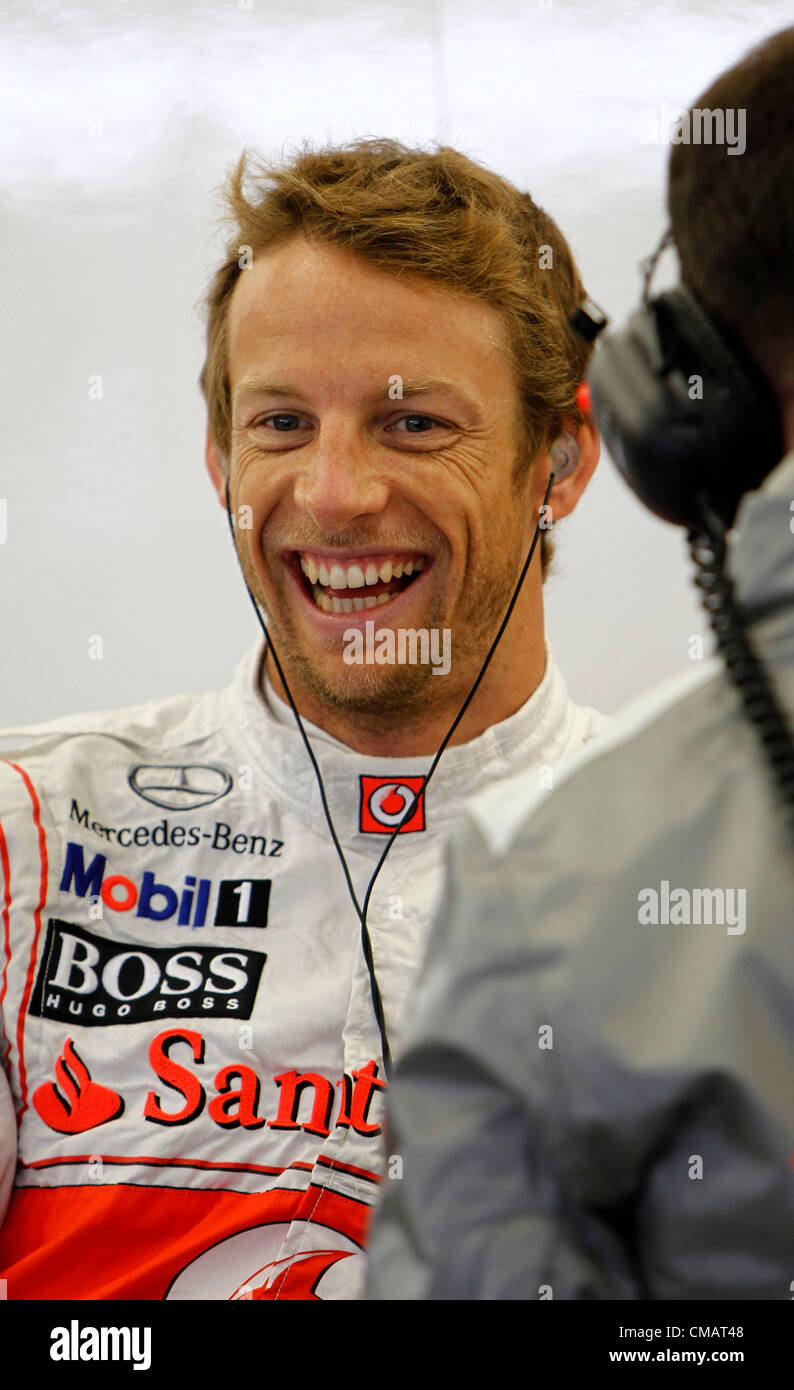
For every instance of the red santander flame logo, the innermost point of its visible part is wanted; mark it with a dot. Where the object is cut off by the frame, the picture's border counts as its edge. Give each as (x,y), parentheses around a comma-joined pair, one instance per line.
(76,1103)
(295,1277)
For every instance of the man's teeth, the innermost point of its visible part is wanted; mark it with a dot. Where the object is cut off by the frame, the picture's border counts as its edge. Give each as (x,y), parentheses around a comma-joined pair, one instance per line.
(348,605)
(353,576)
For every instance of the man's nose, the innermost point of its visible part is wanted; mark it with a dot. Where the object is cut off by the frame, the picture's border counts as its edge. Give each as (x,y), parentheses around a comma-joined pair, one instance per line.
(341,481)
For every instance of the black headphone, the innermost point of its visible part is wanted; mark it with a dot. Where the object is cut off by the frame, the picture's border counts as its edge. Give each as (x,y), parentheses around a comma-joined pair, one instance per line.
(682,408)
(692,424)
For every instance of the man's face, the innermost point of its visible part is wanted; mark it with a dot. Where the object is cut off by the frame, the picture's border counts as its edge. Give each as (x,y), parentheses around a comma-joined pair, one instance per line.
(368,506)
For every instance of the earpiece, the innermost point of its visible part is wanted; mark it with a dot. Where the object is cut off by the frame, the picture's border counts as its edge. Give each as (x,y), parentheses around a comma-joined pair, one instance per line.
(564,454)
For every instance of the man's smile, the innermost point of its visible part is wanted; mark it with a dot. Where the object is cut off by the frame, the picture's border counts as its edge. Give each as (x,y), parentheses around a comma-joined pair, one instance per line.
(349,582)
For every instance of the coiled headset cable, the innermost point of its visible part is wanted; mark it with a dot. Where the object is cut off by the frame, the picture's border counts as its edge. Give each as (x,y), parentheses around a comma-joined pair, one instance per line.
(707,545)
(363,908)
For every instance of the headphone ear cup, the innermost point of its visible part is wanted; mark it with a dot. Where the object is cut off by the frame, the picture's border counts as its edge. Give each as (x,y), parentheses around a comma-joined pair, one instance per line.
(683,410)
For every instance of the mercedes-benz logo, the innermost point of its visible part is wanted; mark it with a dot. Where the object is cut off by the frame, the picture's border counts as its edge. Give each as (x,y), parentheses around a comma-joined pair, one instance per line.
(179,786)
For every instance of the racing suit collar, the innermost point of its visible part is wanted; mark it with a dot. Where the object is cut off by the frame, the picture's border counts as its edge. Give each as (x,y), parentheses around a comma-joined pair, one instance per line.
(271,745)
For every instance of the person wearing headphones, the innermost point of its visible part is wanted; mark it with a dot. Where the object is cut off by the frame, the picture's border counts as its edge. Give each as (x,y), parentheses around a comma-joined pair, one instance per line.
(204,970)
(594,1099)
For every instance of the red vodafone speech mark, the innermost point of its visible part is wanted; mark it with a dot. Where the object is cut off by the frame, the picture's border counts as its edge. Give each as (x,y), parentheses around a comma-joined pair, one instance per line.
(384,801)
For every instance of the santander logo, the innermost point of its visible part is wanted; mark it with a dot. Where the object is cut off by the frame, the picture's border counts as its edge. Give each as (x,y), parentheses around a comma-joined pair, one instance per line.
(232,1099)
(75,1103)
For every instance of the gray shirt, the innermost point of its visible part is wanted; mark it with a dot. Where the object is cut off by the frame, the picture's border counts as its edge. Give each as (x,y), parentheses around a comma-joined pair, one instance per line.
(596,1094)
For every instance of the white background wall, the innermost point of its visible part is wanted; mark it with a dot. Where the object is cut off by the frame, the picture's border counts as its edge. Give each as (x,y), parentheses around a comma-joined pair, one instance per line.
(106,245)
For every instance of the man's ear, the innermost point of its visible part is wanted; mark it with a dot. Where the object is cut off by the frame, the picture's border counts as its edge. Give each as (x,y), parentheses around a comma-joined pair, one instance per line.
(217,469)
(566,492)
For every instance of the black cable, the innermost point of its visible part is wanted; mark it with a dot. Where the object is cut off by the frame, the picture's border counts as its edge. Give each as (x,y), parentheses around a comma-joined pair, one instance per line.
(366,944)
(707,544)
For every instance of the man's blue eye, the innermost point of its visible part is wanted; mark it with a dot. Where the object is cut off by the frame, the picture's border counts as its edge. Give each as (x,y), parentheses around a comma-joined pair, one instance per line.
(427,418)
(279,417)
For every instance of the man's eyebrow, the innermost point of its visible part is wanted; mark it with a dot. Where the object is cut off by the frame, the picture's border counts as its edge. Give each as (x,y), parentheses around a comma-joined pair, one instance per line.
(261,386)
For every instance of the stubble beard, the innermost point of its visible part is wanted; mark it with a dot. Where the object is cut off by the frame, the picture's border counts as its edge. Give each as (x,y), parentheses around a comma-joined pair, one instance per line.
(383,696)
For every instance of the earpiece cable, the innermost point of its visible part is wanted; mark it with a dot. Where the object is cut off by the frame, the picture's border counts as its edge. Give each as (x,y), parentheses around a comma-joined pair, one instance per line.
(361,911)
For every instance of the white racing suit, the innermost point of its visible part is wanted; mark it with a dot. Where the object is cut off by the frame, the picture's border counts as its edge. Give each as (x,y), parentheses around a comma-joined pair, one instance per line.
(188,1034)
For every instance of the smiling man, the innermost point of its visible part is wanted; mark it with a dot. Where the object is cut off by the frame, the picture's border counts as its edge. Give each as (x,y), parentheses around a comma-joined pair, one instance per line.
(206,969)
(379,473)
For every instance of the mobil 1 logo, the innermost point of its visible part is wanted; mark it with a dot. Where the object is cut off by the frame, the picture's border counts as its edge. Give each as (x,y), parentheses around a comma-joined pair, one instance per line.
(240,902)
(94,980)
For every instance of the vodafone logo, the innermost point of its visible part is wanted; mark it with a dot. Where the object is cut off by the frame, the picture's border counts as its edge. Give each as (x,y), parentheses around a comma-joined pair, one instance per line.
(321,1264)
(385,801)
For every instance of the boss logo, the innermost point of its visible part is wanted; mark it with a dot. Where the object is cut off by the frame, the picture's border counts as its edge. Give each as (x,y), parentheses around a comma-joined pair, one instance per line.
(87,979)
